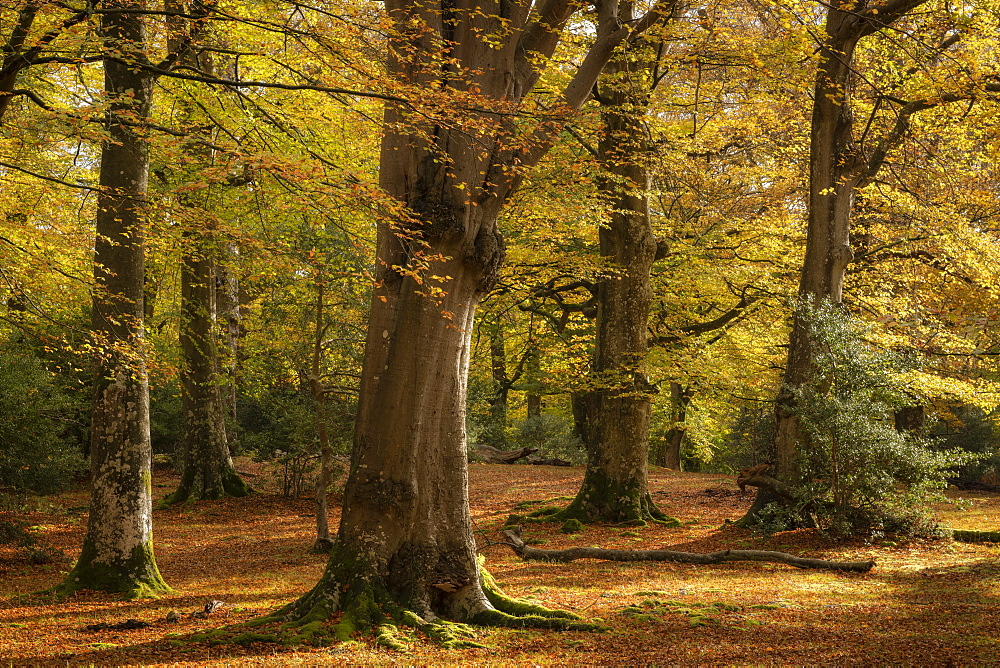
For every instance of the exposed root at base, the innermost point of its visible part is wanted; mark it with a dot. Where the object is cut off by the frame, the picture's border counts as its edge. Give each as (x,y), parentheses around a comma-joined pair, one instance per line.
(575,515)
(130,591)
(318,619)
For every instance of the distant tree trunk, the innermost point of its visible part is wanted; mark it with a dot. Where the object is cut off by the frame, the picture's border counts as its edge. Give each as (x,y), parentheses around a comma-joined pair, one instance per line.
(208,471)
(614,486)
(533,405)
(323,542)
(228,310)
(532,399)
(670,450)
(496,431)
(117,552)
(580,405)
(208,467)
(405,536)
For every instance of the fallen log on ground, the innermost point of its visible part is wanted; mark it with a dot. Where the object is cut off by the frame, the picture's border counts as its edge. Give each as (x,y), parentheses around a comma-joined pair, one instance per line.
(555,461)
(513,535)
(492,455)
(972,485)
(971,536)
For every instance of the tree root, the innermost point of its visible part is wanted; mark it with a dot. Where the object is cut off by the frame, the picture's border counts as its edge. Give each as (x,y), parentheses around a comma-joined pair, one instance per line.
(231,486)
(515,613)
(513,534)
(576,514)
(340,613)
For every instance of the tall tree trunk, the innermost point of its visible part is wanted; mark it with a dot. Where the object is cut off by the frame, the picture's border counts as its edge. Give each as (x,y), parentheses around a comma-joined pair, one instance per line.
(832,163)
(227,304)
(323,543)
(614,486)
(405,538)
(532,398)
(117,552)
(670,450)
(208,471)
(208,468)
(836,167)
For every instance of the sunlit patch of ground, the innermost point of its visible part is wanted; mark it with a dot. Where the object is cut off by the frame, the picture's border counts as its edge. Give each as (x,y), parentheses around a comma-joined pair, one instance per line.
(925,603)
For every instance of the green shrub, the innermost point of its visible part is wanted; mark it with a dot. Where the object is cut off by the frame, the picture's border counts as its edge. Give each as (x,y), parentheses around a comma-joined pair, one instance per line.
(279,426)
(857,473)
(553,435)
(35,456)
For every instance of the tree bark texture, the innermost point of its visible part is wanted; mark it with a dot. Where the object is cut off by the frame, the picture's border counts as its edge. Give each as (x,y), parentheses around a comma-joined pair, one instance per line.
(208,467)
(614,487)
(837,166)
(208,471)
(227,305)
(405,536)
(117,552)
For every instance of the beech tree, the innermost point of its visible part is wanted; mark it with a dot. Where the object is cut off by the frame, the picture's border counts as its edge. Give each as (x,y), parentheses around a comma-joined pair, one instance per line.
(405,538)
(842,160)
(835,170)
(208,471)
(614,486)
(117,552)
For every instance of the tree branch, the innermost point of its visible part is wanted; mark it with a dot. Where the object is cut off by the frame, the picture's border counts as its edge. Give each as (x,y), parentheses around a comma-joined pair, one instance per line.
(513,535)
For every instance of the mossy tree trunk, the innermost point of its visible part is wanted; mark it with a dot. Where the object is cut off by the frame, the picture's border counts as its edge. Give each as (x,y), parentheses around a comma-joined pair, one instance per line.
(117,552)
(208,471)
(405,546)
(614,487)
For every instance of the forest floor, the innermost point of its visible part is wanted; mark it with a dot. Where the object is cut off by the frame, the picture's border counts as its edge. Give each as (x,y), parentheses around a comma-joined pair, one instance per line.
(927,602)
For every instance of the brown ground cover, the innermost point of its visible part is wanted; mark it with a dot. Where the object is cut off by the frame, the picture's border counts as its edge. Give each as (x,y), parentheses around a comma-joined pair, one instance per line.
(925,603)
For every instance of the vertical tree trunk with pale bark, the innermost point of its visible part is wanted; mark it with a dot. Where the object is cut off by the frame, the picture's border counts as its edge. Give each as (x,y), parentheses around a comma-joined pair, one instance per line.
(406,535)
(117,552)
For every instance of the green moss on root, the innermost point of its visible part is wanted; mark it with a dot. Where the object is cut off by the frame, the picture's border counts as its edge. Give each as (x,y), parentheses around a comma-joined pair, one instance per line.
(366,605)
(249,637)
(513,606)
(387,635)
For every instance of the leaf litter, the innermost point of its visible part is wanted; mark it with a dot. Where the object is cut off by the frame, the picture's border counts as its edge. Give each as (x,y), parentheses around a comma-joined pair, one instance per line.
(927,602)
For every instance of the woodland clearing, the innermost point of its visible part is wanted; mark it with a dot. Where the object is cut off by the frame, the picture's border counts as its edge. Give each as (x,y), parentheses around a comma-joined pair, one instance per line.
(927,602)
